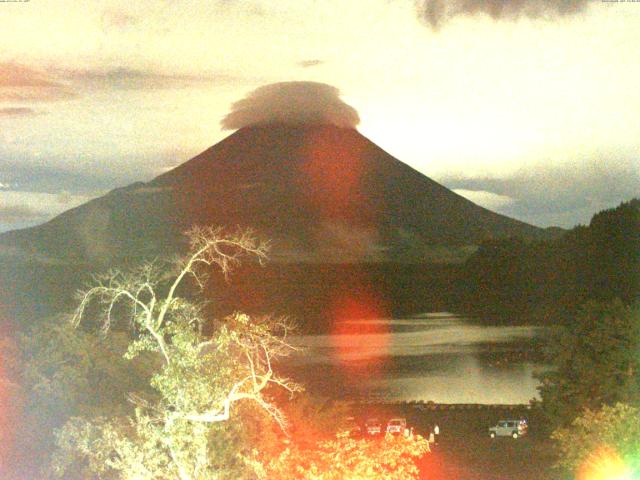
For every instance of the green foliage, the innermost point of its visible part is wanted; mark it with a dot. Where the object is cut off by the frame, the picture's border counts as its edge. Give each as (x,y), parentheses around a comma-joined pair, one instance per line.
(344,458)
(601,443)
(141,447)
(595,363)
(61,372)
(68,371)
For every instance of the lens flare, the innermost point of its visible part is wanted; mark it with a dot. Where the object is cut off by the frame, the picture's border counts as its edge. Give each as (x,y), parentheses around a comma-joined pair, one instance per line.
(604,464)
(333,166)
(359,345)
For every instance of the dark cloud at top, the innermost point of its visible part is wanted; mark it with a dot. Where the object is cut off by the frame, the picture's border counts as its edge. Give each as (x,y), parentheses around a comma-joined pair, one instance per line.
(438,12)
(291,103)
(310,63)
(562,195)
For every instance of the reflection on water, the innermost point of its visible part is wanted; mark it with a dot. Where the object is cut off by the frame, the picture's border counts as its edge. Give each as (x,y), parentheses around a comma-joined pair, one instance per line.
(440,357)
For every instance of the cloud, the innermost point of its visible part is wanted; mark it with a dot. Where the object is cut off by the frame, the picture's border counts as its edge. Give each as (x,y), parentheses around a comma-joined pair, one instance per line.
(244,7)
(438,12)
(18,214)
(22,208)
(113,19)
(21,83)
(33,191)
(310,63)
(291,103)
(556,195)
(73,175)
(16,75)
(17,112)
(35,94)
(124,78)
(485,199)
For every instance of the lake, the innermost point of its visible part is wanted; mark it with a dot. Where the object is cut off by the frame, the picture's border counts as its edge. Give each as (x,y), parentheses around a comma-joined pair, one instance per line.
(440,357)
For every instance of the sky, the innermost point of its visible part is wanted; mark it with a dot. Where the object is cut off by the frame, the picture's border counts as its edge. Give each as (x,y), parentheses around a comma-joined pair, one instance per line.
(527,107)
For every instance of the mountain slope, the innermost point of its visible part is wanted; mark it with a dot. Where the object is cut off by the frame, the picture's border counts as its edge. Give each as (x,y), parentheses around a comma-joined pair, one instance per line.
(321,193)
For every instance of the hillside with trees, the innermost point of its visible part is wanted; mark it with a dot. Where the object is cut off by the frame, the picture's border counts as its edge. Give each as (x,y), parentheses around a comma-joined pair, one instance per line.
(545,281)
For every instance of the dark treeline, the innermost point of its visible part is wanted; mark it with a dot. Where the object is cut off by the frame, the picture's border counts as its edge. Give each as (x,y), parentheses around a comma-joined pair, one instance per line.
(315,296)
(544,281)
(312,295)
(513,279)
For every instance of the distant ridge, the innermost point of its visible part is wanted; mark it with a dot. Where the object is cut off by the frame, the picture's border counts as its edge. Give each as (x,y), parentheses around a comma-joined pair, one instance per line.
(321,193)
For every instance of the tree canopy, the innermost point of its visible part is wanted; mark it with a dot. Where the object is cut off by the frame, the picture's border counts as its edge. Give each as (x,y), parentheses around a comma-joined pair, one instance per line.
(601,444)
(594,363)
(202,370)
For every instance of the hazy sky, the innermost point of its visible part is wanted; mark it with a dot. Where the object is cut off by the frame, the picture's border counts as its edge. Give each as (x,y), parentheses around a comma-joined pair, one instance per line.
(528,107)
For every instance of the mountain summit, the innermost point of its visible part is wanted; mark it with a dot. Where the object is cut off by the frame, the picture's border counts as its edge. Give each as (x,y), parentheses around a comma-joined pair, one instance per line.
(322,193)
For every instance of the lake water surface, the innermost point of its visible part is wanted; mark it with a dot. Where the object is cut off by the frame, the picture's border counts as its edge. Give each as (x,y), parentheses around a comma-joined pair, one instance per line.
(441,357)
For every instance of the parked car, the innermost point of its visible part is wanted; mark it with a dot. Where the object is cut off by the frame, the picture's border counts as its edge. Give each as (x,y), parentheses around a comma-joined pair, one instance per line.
(396,426)
(509,428)
(351,426)
(373,426)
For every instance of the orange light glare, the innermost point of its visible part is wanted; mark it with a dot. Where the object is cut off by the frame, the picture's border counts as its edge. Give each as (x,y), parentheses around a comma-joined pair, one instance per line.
(360,344)
(333,168)
(604,464)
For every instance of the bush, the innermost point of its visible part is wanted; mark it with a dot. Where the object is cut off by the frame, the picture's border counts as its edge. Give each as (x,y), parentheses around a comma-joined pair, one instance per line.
(601,444)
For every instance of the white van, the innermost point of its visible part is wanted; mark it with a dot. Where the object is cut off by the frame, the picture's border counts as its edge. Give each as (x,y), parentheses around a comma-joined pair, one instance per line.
(509,428)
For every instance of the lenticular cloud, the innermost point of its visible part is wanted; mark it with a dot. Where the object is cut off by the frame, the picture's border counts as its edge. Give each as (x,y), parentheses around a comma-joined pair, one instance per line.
(294,103)
(438,12)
